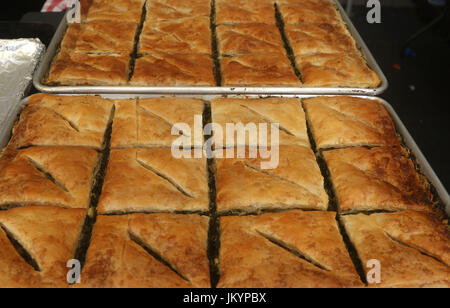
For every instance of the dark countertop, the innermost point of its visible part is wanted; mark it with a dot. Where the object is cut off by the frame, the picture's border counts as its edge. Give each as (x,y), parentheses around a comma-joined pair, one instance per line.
(418,91)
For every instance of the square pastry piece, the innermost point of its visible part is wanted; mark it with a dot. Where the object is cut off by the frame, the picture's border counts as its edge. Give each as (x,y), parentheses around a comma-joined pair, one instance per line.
(159,10)
(412,248)
(80,69)
(266,69)
(296,183)
(338,122)
(249,38)
(58,176)
(154,251)
(376,179)
(244,11)
(154,180)
(36,243)
(117,10)
(100,36)
(309,11)
(337,70)
(187,35)
(285,112)
(311,38)
(165,69)
(150,122)
(293,249)
(50,120)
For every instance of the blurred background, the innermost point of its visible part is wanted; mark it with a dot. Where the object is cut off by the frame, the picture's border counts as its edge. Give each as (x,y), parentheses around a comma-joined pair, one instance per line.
(411,45)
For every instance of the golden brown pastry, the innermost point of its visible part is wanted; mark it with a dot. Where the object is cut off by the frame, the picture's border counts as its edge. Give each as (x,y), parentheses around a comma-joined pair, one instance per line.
(244,11)
(285,112)
(412,248)
(337,70)
(376,179)
(293,249)
(49,235)
(341,121)
(164,69)
(123,249)
(187,35)
(249,38)
(153,180)
(80,69)
(100,36)
(243,185)
(117,10)
(309,11)
(57,176)
(149,122)
(310,38)
(159,10)
(51,120)
(267,69)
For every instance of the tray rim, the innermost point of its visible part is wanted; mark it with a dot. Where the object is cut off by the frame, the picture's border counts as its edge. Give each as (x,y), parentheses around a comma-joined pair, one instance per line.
(45,64)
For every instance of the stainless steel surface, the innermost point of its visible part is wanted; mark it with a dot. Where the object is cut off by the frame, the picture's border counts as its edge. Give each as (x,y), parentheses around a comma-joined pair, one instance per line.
(45,66)
(424,166)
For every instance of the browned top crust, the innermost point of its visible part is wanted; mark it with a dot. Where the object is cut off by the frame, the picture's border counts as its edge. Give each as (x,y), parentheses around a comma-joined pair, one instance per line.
(49,235)
(153,180)
(341,121)
(164,69)
(412,247)
(376,179)
(119,254)
(243,185)
(337,70)
(285,112)
(78,69)
(268,69)
(285,250)
(309,11)
(319,38)
(100,36)
(159,10)
(187,35)
(149,122)
(244,11)
(249,38)
(117,10)
(51,120)
(60,176)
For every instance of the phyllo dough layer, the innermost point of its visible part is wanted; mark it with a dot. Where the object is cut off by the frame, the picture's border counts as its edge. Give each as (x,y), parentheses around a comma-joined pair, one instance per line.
(412,248)
(79,69)
(50,120)
(58,176)
(266,69)
(48,235)
(117,10)
(244,11)
(286,113)
(101,36)
(153,251)
(153,180)
(285,250)
(164,69)
(242,184)
(376,179)
(338,122)
(150,122)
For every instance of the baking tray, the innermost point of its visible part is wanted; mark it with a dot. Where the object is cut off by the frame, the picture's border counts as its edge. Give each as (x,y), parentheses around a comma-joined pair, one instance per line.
(423,164)
(54,45)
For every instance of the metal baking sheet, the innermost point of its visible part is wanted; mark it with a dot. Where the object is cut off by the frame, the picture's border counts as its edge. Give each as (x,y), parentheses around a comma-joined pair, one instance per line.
(54,45)
(424,166)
